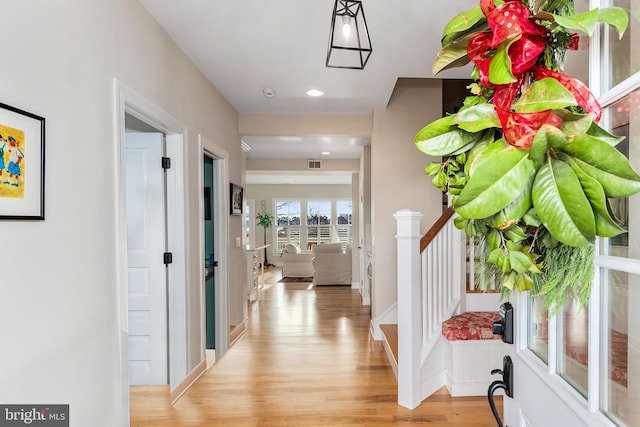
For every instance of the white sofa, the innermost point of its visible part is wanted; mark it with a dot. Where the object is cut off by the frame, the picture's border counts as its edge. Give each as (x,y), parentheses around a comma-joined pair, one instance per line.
(331,265)
(295,263)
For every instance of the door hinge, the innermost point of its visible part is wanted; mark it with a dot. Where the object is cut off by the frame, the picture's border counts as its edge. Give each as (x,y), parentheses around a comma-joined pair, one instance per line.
(167,258)
(166,163)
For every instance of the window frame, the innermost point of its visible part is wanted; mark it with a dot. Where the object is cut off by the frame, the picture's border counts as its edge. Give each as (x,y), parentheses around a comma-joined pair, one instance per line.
(603,262)
(304,228)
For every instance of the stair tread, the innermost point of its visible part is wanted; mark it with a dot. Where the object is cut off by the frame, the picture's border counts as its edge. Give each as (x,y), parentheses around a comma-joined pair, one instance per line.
(390,333)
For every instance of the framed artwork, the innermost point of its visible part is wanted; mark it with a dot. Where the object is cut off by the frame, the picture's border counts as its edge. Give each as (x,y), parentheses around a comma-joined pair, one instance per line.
(236,199)
(21,164)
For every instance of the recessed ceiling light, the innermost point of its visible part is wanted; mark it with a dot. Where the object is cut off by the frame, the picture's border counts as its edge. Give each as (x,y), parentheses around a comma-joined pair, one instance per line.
(326,153)
(315,92)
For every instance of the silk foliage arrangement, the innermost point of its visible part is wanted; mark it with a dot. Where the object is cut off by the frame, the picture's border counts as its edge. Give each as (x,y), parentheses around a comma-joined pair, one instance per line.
(528,168)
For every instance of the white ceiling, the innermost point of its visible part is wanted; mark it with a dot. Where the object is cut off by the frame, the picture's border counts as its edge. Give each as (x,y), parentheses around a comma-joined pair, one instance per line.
(298,178)
(295,147)
(245,46)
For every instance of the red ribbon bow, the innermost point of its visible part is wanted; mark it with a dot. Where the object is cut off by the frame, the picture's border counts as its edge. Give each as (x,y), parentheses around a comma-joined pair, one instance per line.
(509,21)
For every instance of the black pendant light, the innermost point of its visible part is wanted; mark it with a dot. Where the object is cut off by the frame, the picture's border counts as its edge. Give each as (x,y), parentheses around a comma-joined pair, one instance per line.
(349,42)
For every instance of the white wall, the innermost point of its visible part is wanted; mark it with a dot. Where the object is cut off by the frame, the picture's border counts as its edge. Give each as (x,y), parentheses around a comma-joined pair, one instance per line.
(58,303)
(398,180)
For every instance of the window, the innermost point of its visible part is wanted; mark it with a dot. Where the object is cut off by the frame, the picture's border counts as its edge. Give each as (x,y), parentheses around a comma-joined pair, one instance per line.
(309,222)
(318,221)
(538,339)
(288,215)
(619,356)
(596,349)
(344,215)
(620,58)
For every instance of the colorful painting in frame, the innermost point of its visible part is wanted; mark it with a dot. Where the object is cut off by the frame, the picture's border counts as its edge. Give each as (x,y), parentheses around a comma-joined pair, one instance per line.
(21,164)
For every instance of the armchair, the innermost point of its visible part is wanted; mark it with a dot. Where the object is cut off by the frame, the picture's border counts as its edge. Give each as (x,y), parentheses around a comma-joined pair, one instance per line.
(295,263)
(331,266)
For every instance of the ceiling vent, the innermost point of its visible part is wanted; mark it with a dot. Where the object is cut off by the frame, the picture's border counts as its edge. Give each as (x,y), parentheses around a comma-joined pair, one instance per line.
(315,164)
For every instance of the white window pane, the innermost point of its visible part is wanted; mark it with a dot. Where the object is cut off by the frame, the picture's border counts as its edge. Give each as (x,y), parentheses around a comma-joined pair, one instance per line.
(288,212)
(622,118)
(344,210)
(319,212)
(621,57)
(620,349)
(573,343)
(538,340)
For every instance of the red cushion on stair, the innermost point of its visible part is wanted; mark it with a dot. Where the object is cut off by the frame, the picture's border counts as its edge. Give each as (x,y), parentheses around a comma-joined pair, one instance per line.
(473,325)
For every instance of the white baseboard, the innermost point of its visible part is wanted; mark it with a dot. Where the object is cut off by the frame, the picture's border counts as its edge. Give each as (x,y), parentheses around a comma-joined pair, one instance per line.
(193,376)
(392,362)
(238,331)
(432,385)
(211,357)
(388,317)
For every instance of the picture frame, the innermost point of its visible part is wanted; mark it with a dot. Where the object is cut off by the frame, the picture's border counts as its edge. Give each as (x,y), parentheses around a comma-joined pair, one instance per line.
(22,150)
(236,195)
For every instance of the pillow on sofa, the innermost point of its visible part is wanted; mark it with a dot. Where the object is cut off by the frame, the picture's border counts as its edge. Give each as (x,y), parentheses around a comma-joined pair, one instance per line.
(327,248)
(292,248)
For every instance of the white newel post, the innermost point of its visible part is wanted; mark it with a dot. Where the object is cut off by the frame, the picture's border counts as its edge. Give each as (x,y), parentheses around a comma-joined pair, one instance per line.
(409,308)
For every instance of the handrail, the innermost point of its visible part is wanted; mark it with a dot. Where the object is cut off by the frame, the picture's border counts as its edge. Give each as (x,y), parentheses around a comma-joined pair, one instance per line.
(435,228)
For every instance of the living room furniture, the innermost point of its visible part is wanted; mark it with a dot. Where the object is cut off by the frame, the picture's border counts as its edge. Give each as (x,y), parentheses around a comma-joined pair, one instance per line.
(331,265)
(296,263)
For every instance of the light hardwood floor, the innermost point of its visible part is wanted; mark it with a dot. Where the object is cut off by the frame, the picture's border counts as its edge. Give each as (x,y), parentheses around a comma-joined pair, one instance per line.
(307,359)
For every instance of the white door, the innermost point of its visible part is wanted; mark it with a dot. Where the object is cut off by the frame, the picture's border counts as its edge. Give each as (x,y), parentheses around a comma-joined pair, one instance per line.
(147,279)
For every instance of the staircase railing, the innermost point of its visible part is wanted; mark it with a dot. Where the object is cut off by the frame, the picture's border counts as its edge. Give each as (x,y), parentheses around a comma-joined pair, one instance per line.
(431,282)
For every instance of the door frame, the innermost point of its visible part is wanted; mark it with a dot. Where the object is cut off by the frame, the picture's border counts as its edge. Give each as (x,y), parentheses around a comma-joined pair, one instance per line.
(126,100)
(221,228)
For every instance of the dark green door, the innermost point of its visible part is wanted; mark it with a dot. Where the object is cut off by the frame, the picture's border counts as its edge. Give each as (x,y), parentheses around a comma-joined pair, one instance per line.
(209,252)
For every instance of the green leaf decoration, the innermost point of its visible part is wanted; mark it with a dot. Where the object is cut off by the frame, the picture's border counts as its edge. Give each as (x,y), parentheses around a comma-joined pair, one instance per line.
(548,136)
(587,21)
(562,205)
(531,218)
(494,184)
(477,118)
(616,17)
(524,282)
(603,135)
(612,164)
(510,281)
(512,246)
(613,185)
(516,234)
(606,225)
(462,22)
(494,240)
(574,123)
(519,261)
(515,210)
(500,65)
(440,138)
(432,168)
(477,150)
(460,222)
(545,94)
(452,55)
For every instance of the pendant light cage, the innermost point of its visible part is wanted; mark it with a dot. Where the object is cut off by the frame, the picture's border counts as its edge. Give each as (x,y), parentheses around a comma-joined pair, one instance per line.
(349,41)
